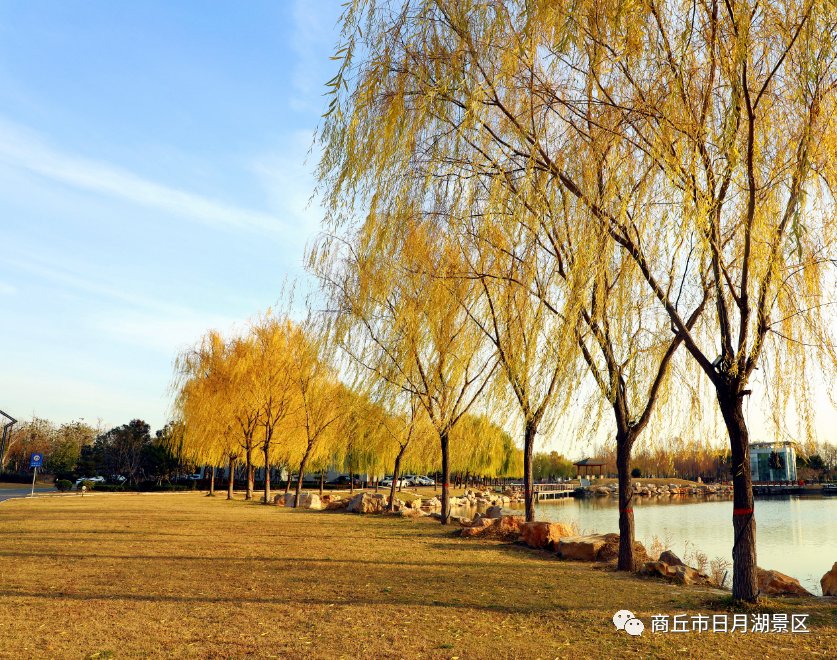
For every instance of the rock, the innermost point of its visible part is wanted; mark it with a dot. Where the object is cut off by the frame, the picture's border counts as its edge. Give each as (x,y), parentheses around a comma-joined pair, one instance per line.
(306,500)
(671,559)
(688,575)
(581,548)
(505,527)
(774,583)
(508,526)
(279,499)
(407,512)
(828,582)
(433,503)
(367,503)
(479,527)
(681,574)
(336,503)
(543,534)
(610,551)
(309,501)
(494,512)
(658,569)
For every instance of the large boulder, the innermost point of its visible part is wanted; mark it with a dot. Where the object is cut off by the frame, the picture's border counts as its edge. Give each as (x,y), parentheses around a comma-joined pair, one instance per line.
(408,512)
(828,582)
(581,548)
(774,583)
(508,526)
(367,503)
(610,551)
(306,500)
(494,512)
(658,569)
(333,502)
(478,528)
(505,527)
(671,559)
(279,499)
(309,501)
(543,534)
(679,573)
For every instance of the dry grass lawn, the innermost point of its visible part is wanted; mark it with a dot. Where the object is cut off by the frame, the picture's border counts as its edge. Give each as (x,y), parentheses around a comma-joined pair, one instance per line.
(183,575)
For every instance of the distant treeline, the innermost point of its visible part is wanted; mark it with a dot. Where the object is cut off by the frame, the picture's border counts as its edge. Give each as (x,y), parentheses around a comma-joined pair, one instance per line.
(77,449)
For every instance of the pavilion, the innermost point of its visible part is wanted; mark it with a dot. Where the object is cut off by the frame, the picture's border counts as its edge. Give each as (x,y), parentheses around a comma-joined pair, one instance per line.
(589,467)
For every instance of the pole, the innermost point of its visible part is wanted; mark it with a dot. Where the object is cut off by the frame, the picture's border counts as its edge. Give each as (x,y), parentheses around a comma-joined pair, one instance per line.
(34,474)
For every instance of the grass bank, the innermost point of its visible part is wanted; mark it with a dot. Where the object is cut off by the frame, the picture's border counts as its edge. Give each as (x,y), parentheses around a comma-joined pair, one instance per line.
(184,575)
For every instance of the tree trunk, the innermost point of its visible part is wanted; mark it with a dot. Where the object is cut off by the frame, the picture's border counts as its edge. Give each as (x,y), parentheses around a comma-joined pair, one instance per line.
(444,440)
(212,482)
(529,431)
(266,474)
(322,477)
(624,443)
(351,482)
(302,467)
(231,479)
(249,460)
(395,473)
(744,583)
(288,480)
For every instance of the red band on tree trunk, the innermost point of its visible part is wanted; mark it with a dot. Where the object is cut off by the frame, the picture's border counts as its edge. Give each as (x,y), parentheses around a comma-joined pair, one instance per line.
(741,512)
(628,510)
(447,485)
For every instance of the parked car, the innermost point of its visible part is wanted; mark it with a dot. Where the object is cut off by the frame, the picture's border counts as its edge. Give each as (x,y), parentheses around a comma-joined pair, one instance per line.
(343,480)
(423,480)
(95,480)
(387,483)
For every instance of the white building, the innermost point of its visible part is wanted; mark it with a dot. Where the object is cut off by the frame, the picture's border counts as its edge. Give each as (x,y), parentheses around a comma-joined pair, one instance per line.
(773,461)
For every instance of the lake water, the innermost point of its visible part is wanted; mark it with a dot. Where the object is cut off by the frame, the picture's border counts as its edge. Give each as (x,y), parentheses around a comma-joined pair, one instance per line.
(796,535)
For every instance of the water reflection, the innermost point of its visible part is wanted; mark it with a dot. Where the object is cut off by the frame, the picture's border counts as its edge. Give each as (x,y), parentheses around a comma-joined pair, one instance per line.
(796,535)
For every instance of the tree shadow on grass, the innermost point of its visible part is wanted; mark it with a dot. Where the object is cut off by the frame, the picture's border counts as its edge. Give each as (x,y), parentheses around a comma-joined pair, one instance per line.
(435,562)
(392,599)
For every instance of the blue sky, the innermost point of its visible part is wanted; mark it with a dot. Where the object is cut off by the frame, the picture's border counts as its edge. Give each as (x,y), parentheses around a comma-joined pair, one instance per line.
(153,184)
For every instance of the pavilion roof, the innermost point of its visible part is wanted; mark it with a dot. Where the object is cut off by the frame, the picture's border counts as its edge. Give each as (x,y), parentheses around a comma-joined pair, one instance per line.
(590,461)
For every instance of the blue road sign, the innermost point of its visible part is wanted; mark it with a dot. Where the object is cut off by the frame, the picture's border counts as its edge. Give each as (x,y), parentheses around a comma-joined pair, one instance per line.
(36,460)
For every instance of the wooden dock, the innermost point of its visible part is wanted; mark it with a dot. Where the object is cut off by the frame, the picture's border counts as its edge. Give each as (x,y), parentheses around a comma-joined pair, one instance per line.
(777,488)
(553,491)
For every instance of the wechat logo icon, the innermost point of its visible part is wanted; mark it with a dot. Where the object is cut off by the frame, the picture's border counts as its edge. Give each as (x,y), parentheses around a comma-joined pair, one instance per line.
(625,620)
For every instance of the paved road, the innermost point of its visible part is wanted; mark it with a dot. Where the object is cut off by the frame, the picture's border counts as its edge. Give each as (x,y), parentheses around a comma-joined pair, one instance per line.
(23,491)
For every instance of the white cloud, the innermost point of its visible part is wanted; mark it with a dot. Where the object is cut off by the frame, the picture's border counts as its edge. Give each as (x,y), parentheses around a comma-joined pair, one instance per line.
(287,176)
(24,149)
(164,333)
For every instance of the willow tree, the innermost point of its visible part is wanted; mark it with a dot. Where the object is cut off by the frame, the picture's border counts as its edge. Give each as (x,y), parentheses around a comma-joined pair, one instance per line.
(401,318)
(443,104)
(402,430)
(323,400)
(203,394)
(733,104)
(522,307)
(272,382)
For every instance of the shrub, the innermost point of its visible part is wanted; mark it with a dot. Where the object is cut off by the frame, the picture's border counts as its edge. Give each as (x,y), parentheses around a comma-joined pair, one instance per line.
(110,488)
(64,485)
(636,472)
(89,485)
